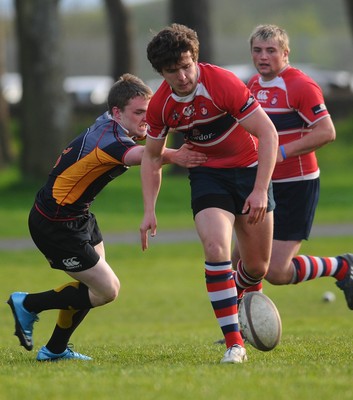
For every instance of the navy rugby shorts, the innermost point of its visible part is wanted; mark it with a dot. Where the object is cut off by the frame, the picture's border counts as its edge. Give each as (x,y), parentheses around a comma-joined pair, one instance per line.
(225,188)
(296,203)
(67,245)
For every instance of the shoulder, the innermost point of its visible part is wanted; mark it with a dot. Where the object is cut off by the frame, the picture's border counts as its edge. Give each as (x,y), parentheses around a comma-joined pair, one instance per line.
(163,91)
(253,80)
(222,85)
(159,98)
(102,123)
(213,74)
(296,77)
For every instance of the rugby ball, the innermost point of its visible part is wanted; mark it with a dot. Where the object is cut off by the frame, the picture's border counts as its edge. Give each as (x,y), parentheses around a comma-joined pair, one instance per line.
(260,322)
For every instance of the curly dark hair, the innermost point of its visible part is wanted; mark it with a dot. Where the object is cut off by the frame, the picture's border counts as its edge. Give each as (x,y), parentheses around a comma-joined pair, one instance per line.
(166,46)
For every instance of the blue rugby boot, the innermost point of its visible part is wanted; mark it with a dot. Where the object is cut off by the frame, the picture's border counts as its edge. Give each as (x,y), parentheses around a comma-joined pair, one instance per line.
(46,355)
(346,284)
(24,319)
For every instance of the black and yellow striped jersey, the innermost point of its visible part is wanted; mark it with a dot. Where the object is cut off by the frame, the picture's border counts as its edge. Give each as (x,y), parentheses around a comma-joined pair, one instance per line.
(83,169)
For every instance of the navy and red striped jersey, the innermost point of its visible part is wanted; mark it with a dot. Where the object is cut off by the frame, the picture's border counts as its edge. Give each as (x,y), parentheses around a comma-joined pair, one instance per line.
(209,117)
(294,102)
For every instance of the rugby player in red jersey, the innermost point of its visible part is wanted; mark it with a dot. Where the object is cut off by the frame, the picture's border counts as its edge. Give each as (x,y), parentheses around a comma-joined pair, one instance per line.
(217,114)
(296,106)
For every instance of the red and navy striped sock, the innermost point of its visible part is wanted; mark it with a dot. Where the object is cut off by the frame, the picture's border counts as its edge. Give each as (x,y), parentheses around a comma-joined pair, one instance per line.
(310,267)
(223,296)
(244,281)
(255,288)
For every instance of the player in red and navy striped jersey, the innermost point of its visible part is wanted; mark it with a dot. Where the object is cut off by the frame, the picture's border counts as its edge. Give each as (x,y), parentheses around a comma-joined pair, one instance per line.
(216,113)
(295,104)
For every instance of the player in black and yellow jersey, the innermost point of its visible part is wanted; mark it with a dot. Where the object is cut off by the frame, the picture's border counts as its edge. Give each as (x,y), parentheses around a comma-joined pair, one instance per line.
(67,233)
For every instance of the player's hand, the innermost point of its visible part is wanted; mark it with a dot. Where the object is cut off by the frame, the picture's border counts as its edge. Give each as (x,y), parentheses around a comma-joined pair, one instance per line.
(188,158)
(256,204)
(149,223)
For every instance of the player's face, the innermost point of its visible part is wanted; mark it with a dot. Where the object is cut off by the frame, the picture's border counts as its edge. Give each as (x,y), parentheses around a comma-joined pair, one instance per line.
(268,58)
(182,77)
(133,117)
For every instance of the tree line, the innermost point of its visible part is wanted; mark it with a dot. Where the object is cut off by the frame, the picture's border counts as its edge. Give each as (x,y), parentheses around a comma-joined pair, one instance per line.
(45,110)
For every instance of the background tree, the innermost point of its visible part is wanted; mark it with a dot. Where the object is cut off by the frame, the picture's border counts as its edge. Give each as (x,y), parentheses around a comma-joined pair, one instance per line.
(121,37)
(6,154)
(349,6)
(196,15)
(45,109)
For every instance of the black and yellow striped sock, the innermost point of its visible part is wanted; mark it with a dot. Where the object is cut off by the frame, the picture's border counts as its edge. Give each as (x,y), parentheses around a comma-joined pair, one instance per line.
(72,296)
(67,323)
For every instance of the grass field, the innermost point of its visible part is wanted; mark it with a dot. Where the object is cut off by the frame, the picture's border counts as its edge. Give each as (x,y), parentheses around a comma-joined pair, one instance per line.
(119,207)
(156,340)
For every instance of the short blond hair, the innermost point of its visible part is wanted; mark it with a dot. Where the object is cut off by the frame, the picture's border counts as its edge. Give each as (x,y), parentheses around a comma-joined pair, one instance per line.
(268,31)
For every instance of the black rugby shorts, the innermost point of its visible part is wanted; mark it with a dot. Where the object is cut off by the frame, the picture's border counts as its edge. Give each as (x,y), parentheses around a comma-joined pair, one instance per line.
(67,245)
(296,203)
(225,188)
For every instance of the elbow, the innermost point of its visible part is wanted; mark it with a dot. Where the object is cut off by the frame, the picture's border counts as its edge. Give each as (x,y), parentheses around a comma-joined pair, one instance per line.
(331,136)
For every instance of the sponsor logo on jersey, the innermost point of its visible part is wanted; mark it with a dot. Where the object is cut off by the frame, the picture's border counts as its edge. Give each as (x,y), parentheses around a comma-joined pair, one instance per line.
(71,263)
(319,108)
(63,153)
(57,162)
(67,150)
(197,136)
(247,104)
(189,111)
(262,96)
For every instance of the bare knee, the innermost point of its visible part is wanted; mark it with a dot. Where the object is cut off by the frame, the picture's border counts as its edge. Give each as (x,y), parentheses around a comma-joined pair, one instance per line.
(256,270)
(112,292)
(278,277)
(214,252)
(106,293)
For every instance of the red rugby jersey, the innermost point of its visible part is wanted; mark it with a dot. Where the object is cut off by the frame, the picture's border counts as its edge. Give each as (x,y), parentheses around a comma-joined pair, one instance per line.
(294,102)
(209,117)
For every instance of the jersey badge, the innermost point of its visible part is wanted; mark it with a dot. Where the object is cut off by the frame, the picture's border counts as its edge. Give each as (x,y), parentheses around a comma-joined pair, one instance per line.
(319,108)
(249,102)
(274,101)
(203,110)
(175,116)
(189,111)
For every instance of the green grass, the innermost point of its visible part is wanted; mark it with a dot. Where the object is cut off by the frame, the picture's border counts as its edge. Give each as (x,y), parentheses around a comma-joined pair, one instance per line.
(119,207)
(156,340)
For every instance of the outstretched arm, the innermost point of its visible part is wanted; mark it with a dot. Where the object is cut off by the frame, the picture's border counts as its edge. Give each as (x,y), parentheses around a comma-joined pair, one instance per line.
(184,156)
(151,178)
(260,125)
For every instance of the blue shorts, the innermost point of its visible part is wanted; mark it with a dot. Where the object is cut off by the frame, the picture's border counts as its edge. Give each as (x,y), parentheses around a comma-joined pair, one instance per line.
(296,203)
(67,245)
(225,188)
